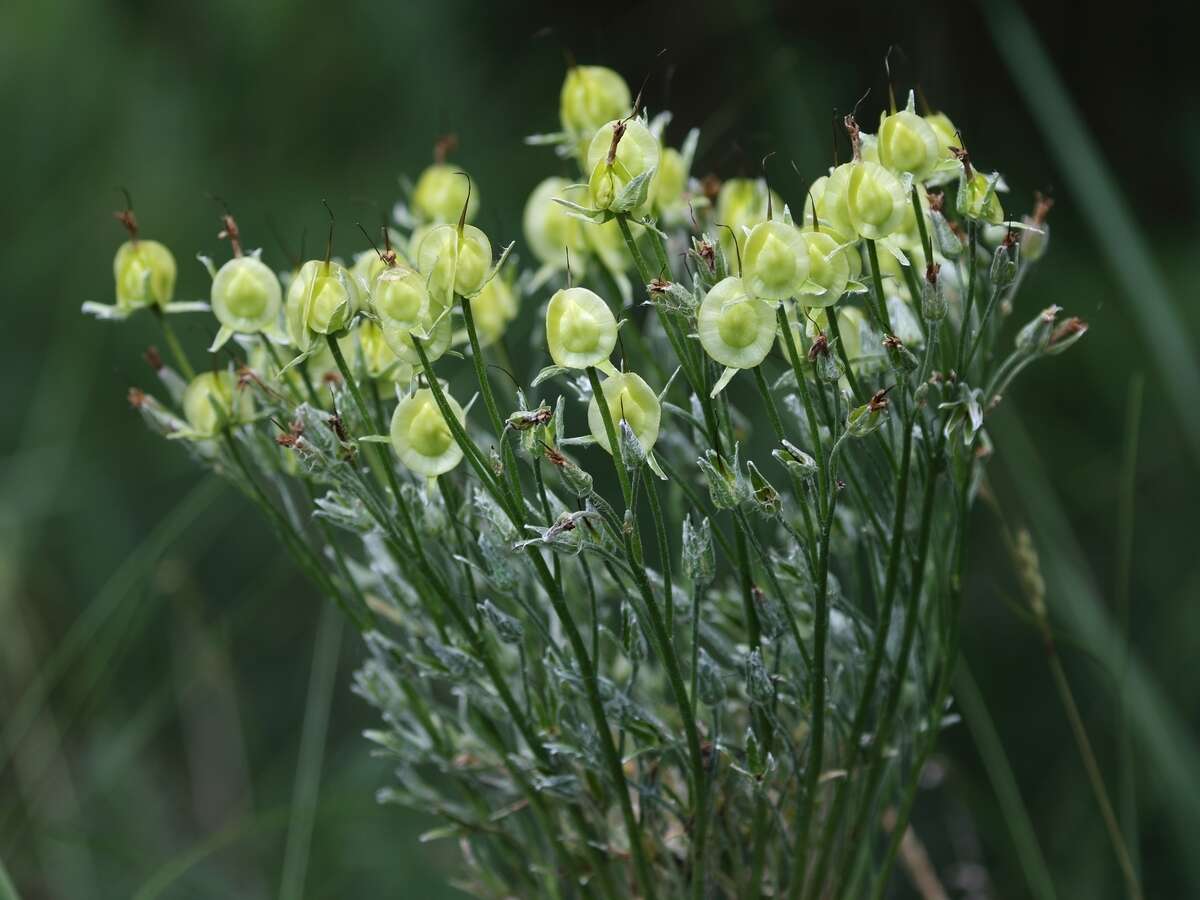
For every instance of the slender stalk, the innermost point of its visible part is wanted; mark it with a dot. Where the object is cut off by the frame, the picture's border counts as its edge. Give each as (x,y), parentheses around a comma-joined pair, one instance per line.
(173,345)
(972,265)
(610,432)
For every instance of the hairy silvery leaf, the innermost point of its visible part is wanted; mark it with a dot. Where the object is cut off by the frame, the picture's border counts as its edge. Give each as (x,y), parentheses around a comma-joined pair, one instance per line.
(759,685)
(508,629)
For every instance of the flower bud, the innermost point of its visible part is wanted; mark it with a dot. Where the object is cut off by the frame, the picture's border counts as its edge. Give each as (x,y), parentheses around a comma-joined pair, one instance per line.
(145,275)
(508,629)
(320,300)
(551,231)
(591,96)
(775,262)
(797,461)
(934,305)
(581,330)
(900,357)
(246,295)
(723,484)
(629,399)
(422,438)
(454,260)
(771,618)
(735,329)
(1004,264)
(440,194)
(699,558)
(908,144)
(762,492)
(577,480)
(213,400)
(1065,335)
(622,155)
(977,197)
(709,684)
(870,416)
(759,685)
(1035,336)
(876,200)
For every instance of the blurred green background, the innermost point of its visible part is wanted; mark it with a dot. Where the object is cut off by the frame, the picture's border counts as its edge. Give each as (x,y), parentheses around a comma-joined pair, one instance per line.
(155,643)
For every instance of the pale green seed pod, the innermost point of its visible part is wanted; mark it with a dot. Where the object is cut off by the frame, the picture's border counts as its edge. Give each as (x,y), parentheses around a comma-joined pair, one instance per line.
(455,261)
(670,183)
(145,275)
(399,298)
(246,295)
(637,155)
(828,269)
(741,204)
(434,331)
(422,438)
(875,200)
(775,261)
(828,194)
(492,309)
(581,330)
(908,144)
(550,231)
(320,300)
(379,360)
(851,324)
(977,197)
(736,328)
(629,398)
(944,132)
(591,96)
(608,244)
(440,194)
(212,399)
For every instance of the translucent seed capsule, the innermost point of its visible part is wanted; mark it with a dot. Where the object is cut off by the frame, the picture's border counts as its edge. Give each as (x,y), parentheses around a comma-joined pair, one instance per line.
(493,308)
(421,436)
(399,297)
(213,399)
(320,300)
(908,144)
(145,275)
(551,231)
(628,397)
(433,330)
(455,261)
(977,198)
(440,193)
(828,194)
(670,183)
(246,295)
(581,330)
(367,343)
(775,261)
(736,329)
(875,200)
(591,96)
(828,269)
(742,204)
(637,155)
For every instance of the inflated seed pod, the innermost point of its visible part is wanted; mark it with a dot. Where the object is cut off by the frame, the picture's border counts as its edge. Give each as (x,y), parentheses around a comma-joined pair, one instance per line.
(637,155)
(851,324)
(433,329)
(145,275)
(741,204)
(320,300)
(213,399)
(670,182)
(368,344)
(493,308)
(828,194)
(828,269)
(455,260)
(736,328)
(908,144)
(875,200)
(399,297)
(550,231)
(945,133)
(440,193)
(422,438)
(629,398)
(608,245)
(591,96)
(775,261)
(246,297)
(977,197)
(581,330)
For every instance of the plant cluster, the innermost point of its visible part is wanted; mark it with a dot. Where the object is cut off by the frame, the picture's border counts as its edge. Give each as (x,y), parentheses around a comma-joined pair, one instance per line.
(635,624)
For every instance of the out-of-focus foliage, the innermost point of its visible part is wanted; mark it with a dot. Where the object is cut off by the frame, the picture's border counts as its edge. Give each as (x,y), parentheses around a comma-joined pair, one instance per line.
(171,739)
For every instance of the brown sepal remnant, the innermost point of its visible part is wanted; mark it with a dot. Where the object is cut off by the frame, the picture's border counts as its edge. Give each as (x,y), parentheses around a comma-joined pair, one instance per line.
(137,397)
(820,347)
(444,146)
(153,358)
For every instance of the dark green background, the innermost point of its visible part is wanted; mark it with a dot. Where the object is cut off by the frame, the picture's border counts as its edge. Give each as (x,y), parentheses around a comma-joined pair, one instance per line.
(180,721)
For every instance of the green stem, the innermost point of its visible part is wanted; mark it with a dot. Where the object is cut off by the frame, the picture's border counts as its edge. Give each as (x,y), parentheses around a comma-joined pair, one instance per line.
(610,432)
(173,345)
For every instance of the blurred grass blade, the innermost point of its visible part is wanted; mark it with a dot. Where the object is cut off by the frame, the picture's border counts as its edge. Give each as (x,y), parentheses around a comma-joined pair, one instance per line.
(312,751)
(1126,785)
(79,637)
(1094,190)
(1000,773)
(7,890)
(1170,753)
